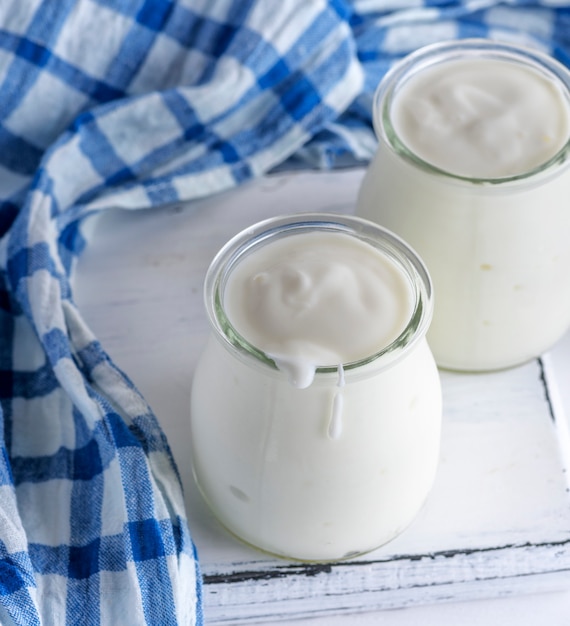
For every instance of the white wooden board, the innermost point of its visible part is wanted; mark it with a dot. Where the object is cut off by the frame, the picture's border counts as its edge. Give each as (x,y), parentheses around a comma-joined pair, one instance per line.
(498,520)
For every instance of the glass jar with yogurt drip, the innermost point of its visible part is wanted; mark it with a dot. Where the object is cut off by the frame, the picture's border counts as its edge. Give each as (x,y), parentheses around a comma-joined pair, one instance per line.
(316,404)
(472,170)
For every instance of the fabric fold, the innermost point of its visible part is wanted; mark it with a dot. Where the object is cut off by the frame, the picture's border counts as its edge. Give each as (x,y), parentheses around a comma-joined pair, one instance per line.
(95,529)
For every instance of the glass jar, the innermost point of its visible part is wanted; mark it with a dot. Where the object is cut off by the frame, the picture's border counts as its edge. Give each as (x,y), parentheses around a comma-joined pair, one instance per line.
(496,247)
(293,471)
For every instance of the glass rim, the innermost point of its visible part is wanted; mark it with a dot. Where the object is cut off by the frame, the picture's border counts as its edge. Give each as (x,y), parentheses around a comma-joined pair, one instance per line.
(435,53)
(382,239)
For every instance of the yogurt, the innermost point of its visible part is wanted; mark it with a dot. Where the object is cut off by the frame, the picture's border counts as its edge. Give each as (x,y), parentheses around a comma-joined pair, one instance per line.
(316,405)
(320,298)
(472,170)
(481,117)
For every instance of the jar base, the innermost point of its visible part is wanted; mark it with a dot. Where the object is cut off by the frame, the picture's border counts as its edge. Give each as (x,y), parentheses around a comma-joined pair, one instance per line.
(307,560)
(485,369)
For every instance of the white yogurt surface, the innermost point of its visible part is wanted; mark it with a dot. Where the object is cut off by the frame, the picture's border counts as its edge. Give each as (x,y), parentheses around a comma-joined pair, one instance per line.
(327,467)
(481,118)
(318,299)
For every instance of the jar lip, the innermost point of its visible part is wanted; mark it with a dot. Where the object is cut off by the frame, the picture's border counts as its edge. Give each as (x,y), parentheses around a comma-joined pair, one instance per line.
(286,225)
(454,50)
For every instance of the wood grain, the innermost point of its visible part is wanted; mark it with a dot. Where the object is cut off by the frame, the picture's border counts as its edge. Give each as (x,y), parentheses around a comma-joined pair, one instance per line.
(498,519)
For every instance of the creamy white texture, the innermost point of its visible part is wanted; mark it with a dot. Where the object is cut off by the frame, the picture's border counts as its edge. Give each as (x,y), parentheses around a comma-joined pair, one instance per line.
(481,118)
(497,253)
(499,259)
(317,299)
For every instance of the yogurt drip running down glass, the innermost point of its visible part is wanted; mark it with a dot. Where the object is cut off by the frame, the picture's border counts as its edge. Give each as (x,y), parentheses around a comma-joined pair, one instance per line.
(472,170)
(316,405)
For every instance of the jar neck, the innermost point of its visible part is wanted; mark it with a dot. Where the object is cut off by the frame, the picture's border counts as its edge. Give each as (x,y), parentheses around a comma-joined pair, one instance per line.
(263,233)
(469,49)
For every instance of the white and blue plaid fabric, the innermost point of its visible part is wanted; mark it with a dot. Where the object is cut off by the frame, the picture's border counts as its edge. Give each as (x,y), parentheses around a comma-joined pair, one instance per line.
(133,104)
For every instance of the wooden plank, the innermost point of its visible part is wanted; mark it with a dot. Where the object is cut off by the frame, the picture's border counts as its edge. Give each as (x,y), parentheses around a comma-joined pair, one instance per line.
(498,519)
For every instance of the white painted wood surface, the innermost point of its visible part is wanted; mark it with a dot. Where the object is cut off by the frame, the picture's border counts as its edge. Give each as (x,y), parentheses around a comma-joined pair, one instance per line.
(498,520)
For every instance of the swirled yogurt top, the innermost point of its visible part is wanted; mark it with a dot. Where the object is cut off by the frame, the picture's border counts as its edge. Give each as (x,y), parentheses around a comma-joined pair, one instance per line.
(482,118)
(317,299)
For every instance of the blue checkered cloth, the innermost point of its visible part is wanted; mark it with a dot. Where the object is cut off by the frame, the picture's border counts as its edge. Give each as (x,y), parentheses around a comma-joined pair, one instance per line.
(133,104)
